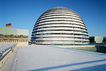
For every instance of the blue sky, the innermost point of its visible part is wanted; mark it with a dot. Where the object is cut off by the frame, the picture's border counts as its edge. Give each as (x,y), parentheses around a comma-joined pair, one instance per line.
(24,13)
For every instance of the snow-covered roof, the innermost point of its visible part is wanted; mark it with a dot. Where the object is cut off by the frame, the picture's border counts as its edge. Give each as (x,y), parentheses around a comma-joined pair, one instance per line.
(51,58)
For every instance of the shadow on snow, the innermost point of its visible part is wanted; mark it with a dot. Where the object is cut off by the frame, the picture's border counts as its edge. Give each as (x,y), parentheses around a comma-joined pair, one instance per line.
(97,67)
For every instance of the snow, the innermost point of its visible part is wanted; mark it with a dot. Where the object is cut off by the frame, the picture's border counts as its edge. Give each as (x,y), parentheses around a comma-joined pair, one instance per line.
(51,58)
(6,47)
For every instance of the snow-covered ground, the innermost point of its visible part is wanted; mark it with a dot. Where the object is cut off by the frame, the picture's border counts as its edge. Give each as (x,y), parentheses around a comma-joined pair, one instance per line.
(6,47)
(51,58)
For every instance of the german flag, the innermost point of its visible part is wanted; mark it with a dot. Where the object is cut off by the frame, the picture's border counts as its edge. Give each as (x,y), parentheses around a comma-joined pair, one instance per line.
(8,25)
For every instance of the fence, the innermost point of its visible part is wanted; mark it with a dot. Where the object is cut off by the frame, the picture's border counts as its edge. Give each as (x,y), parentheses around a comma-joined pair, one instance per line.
(5,49)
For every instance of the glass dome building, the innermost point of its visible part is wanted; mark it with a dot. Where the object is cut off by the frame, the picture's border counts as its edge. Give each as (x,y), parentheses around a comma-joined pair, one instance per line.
(60,26)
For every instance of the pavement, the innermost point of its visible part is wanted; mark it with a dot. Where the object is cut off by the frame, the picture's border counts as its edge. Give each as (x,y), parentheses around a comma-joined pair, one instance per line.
(51,58)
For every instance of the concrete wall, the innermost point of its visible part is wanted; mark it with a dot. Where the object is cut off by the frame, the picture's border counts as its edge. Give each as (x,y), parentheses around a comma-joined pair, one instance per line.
(5,58)
(99,39)
(18,43)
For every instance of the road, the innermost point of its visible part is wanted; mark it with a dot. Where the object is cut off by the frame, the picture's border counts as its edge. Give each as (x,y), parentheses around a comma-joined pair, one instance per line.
(51,58)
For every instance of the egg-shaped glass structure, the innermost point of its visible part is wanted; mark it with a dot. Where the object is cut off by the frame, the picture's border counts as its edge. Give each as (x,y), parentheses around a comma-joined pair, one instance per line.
(60,26)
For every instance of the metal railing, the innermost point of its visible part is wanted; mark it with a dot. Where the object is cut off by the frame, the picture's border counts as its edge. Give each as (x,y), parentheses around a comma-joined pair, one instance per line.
(4,49)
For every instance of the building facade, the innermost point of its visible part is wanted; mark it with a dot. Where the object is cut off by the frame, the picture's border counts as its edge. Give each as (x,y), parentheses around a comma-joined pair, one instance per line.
(97,40)
(60,26)
(19,36)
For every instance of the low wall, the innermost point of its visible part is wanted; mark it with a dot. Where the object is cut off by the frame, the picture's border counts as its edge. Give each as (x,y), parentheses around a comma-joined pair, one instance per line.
(93,48)
(74,46)
(86,48)
(18,43)
(6,56)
